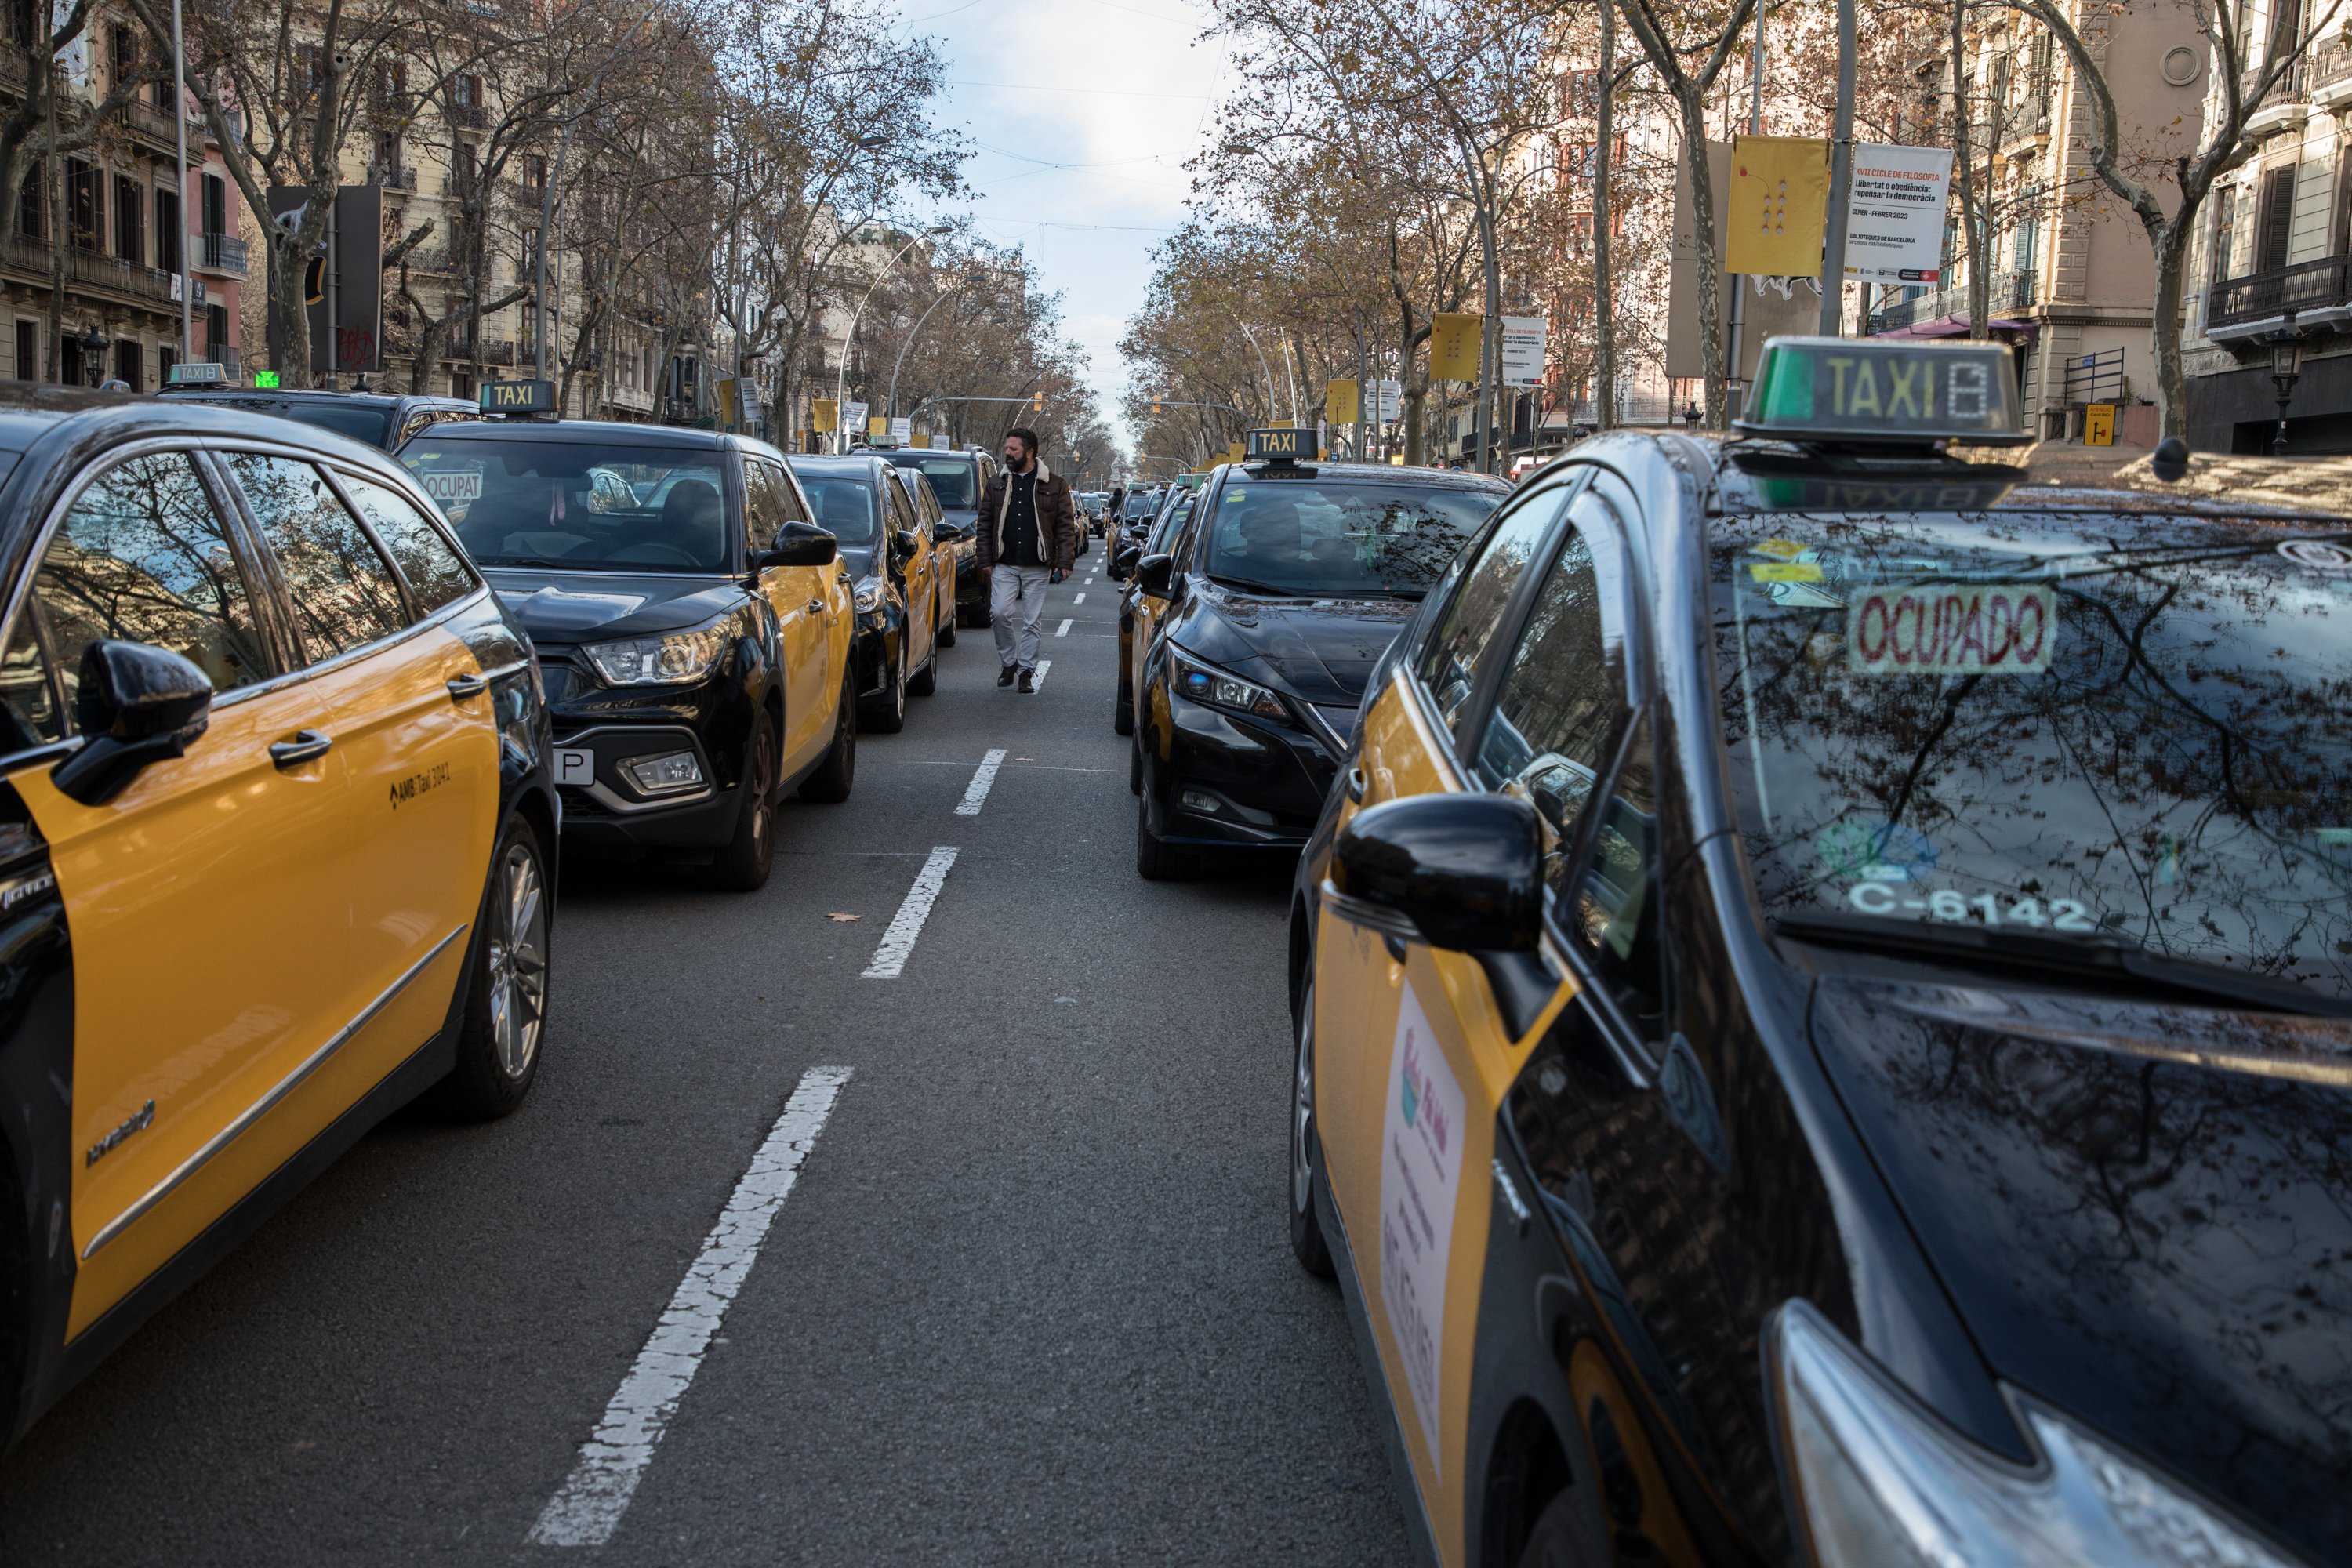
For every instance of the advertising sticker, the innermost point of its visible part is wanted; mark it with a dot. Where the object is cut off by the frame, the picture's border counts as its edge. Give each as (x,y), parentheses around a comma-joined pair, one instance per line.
(1421,1176)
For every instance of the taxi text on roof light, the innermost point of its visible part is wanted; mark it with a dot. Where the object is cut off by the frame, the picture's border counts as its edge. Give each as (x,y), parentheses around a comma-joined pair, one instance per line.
(518,397)
(1280,445)
(1902,394)
(198,373)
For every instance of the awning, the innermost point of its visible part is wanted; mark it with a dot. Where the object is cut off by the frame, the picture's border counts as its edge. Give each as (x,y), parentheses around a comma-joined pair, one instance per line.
(1958,327)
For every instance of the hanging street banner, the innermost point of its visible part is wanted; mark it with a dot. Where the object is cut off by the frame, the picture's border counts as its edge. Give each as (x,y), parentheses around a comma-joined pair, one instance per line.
(1523,351)
(1777,211)
(902,430)
(1453,345)
(1388,400)
(1341,401)
(1894,219)
(825,415)
(853,417)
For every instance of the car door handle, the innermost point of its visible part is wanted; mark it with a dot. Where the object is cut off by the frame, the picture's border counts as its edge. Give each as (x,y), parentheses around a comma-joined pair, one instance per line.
(461,686)
(1356,784)
(307,746)
(816,606)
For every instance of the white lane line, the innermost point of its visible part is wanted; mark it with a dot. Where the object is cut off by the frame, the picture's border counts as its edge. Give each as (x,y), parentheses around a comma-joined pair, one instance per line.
(1043,666)
(899,941)
(588,1508)
(1081,598)
(983,776)
(1063,629)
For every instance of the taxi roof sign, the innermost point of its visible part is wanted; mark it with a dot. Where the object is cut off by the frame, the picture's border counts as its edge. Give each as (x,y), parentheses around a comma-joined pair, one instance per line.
(518,397)
(198,373)
(1909,394)
(1278,446)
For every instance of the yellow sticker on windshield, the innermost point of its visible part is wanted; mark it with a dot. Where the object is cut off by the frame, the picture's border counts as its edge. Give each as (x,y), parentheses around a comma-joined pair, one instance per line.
(1785,572)
(1785,548)
(1953,629)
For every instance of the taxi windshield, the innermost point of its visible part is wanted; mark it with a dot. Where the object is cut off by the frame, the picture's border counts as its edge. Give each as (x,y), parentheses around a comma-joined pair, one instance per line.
(1340,539)
(2067,726)
(951,477)
(844,506)
(581,507)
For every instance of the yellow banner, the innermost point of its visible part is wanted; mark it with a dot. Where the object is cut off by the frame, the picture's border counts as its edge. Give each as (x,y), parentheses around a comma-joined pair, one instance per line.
(1777,210)
(1234,451)
(1341,402)
(921,438)
(825,414)
(1453,345)
(878,425)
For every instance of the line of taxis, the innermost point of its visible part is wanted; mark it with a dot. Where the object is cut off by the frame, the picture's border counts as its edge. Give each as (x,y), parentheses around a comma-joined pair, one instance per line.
(1822,987)
(290,730)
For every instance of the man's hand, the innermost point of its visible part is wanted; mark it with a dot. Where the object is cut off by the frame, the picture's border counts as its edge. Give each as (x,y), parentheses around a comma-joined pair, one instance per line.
(1056,575)
(986,573)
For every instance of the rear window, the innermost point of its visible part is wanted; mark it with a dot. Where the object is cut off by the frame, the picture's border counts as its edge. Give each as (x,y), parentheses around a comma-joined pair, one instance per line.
(951,478)
(2130,728)
(844,506)
(362,423)
(1342,539)
(577,505)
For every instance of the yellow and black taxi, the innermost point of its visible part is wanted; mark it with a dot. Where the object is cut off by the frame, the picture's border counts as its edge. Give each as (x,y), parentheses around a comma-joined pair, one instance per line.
(1822,1005)
(277,835)
(693,622)
(867,505)
(384,420)
(959,478)
(1280,593)
(944,546)
(1139,613)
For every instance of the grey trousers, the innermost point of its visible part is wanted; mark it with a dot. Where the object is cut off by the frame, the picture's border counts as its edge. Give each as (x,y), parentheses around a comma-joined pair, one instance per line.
(1016,599)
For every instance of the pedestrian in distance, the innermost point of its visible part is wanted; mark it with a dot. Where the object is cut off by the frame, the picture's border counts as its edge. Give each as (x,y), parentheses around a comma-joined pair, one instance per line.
(1028,544)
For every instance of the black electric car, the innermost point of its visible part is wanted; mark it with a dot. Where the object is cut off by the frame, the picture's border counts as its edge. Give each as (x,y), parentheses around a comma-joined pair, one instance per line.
(958,478)
(380,419)
(1287,585)
(693,622)
(867,504)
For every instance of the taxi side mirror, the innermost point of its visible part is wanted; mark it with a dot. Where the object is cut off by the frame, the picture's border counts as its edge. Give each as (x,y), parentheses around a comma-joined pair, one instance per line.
(799,544)
(905,544)
(1465,870)
(1155,574)
(137,704)
(1123,564)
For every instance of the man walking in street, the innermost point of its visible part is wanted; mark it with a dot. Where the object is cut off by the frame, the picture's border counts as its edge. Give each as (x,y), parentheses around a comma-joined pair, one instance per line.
(1028,538)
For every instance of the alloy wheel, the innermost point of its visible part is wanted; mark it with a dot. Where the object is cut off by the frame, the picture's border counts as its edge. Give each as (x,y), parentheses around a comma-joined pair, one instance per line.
(517,960)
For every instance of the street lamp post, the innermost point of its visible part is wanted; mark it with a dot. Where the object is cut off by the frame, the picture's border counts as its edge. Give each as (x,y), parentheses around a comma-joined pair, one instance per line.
(890,403)
(180,180)
(841,376)
(2286,368)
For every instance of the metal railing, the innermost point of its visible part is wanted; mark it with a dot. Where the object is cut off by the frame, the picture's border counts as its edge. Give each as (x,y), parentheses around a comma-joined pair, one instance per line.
(222,253)
(2306,286)
(2009,292)
(87,269)
(494,351)
(2095,378)
(397,179)
(2291,87)
(468,116)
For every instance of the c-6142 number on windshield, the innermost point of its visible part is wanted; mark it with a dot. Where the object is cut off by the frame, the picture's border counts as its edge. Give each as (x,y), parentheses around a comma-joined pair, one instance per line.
(1950,904)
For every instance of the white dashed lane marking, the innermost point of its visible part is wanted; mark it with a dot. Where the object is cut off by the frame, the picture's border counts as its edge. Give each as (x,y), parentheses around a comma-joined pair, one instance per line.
(588,1508)
(1063,629)
(983,776)
(1043,666)
(1081,598)
(899,941)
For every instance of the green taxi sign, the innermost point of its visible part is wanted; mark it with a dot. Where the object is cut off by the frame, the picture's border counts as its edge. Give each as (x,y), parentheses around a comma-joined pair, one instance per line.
(1883,394)
(266,380)
(518,397)
(1280,445)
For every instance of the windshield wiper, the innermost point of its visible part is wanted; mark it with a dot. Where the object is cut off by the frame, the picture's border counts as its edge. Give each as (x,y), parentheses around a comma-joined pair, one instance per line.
(531,561)
(2057,958)
(1251,585)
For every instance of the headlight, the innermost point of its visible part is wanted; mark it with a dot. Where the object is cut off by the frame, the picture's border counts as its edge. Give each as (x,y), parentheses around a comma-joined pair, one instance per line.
(1882,1483)
(869,595)
(1207,683)
(671,659)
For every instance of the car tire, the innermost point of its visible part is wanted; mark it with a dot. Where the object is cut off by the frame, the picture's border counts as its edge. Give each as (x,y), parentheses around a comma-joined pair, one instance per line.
(887,714)
(1122,713)
(742,863)
(505,1018)
(926,680)
(1567,1534)
(1134,760)
(1305,1224)
(948,631)
(831,783)
(1156,860)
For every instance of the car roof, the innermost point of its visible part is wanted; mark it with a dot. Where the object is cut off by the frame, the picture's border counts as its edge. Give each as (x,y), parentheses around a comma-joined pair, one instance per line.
(838,463)
(1386,473)
(602,432)
(314,394)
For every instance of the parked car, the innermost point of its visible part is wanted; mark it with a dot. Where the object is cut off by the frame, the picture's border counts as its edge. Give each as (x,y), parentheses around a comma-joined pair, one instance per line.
(958,478)
(380,419)
(861,501)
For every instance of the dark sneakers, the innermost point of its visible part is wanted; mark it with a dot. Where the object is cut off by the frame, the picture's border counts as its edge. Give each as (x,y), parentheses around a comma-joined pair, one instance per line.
(1028,682)
(1004,675)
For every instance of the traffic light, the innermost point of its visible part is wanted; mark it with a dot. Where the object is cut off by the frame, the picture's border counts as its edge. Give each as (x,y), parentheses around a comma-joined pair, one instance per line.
(1037,404)
(1155,403)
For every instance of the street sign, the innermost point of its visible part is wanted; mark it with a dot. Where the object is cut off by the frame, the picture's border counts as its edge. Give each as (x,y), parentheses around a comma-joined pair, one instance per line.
(198,373)
(518,397)
(1894,219)
(2099,424)
(1388,400)
(902,431)
(1523,351)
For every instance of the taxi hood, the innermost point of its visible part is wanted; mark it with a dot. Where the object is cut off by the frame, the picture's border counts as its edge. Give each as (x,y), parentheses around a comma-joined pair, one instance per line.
(589,607)
(1320,649)
(2139,1209)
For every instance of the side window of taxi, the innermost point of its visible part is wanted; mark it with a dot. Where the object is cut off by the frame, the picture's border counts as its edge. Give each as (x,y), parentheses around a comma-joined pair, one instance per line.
(1450,659)
(343,591)
(763,510)
(140,556)
(792,506)
(436,575)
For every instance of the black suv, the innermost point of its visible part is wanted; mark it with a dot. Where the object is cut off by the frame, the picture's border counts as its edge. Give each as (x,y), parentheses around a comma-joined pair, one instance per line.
(958,478)
(380,419)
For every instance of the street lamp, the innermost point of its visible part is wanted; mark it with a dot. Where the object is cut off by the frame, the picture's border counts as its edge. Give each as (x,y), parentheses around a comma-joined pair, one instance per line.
(93,356)
(841,377)
(2287,368)
(891,404)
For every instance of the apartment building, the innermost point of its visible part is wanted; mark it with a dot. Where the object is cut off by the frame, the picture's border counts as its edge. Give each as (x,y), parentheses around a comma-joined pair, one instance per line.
(2274,261)
(90,268)
(2072,273)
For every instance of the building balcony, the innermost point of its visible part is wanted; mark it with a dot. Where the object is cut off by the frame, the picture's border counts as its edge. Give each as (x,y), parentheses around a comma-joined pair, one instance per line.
(156,126)
(396,179)
(469,116)
(94,271)
(494,351)
(2286,106)
(2307,294)
(2329,72)
(221,253)
(2009,292)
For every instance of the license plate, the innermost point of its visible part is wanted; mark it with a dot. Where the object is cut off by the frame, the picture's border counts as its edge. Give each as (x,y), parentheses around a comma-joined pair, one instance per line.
(575,765)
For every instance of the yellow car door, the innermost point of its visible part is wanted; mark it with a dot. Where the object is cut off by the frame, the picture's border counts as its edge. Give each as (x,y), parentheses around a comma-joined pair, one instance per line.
(921,631)
(802,597)
(410,715)
(1412,1058)
(209,908)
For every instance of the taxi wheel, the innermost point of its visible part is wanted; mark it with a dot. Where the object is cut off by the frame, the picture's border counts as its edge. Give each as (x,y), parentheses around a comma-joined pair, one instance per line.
(831,782)
(1306,1228)
(948,626)
(887,714)
(742,862)
(1122,713)
(926,680)
(506,1006)
(1134,760)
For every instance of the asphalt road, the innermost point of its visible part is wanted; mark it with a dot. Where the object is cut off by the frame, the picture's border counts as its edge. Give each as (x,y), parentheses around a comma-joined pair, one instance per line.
(1030,1299)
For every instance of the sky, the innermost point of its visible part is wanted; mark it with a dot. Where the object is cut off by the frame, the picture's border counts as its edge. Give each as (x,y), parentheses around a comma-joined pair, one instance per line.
(1081,113)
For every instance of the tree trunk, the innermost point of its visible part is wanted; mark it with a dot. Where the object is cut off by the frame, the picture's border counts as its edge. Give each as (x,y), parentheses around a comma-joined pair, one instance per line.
(1604,306)
(1704,254)
(2171,247)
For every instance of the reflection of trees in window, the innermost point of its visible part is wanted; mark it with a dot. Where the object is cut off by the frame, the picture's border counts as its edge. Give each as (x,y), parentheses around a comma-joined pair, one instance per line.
(2183,769)
(435,575)
(344,595)
(143,557)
